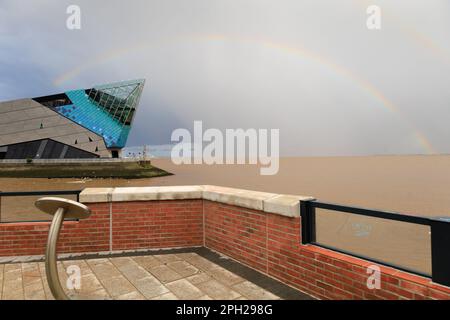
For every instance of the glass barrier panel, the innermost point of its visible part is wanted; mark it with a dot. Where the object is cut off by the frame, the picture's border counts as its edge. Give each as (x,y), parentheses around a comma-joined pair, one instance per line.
(402,244)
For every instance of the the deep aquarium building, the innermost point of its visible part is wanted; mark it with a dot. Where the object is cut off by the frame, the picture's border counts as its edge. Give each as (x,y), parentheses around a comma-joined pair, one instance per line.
(86,123)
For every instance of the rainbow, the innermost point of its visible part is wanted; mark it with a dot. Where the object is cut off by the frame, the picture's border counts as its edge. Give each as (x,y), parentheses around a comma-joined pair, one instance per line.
(364,84)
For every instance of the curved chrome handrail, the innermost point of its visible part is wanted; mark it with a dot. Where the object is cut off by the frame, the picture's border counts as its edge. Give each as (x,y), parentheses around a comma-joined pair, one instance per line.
(60,209)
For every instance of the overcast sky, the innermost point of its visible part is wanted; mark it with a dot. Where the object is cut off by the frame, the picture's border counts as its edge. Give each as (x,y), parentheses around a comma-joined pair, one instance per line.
(310,68)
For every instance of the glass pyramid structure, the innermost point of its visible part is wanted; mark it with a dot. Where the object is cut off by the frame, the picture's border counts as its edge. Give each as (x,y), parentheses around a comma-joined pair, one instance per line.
(107,110)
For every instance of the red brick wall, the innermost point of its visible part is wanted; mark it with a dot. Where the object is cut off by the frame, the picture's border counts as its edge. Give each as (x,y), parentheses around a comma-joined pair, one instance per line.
(30,238)
(237,232)
(157,224)
(136,225)
(271,243)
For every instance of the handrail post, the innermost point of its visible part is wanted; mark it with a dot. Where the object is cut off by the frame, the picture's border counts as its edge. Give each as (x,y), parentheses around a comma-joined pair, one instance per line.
(60,208)
(308,221)
(440,251)
(51,267)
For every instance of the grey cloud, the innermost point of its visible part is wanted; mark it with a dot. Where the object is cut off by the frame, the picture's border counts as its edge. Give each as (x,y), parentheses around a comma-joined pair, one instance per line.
(310,68)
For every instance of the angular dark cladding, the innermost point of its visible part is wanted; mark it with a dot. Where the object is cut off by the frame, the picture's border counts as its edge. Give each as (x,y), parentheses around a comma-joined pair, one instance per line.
(85,123)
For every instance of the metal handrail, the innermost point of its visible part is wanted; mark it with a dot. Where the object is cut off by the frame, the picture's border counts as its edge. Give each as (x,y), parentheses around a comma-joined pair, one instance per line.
(374,213)
(439,226)
(59,208)
(38,193)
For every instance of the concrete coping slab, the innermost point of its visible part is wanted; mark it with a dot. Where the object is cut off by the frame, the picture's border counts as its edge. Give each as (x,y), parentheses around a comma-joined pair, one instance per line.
(93,195)
(286,205)
(157,193)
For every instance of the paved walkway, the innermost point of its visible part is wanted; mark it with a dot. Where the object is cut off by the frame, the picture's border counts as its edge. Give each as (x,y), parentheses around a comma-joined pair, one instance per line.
(163,276)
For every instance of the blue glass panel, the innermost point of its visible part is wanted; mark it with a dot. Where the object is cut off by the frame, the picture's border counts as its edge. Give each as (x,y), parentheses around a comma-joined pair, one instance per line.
(91,117)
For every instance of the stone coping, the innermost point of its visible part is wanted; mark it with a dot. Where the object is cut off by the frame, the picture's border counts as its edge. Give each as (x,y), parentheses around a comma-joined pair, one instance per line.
(282,204)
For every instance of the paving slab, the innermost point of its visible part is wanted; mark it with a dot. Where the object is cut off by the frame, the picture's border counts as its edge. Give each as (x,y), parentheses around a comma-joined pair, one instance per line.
(117,286)
(12,282)
(217,290)
(253,292)
(150,287)
(199,278)
(196,275)
(224,276)
(183,268)
(165,274)
(1,280)
(147,262)
(166,258)
(166,296)
(185,290)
